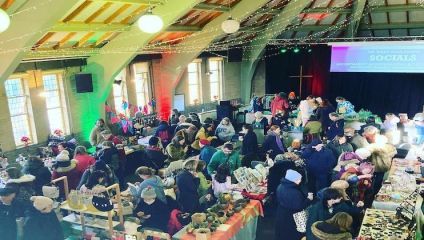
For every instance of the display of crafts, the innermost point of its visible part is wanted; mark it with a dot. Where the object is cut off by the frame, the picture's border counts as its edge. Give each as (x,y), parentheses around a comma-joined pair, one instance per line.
(388,193)
(252,179)
(381,224)
(217,214)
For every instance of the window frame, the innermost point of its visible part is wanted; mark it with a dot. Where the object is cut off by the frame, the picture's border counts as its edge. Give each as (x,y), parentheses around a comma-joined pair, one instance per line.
(142,76)
(123,93)
(28,110)
(198,73)
(220,73)
(62,98)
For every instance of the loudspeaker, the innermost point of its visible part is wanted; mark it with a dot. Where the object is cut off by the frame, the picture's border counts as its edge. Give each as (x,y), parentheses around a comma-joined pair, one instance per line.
(224,111)
(84,82)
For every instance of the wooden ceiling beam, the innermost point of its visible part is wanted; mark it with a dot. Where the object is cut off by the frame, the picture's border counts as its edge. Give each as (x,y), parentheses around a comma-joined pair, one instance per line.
(64,40)
(7,4)
(113,27)
(211,7)
(140,2)
(77,11)
(182,28)
(117,13)
(84,39)
(97,13)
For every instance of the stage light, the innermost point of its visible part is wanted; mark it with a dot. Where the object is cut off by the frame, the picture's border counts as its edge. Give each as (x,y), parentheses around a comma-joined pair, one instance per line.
(296,50)
(4,21)
(309,50)
(150,23)
(283,50)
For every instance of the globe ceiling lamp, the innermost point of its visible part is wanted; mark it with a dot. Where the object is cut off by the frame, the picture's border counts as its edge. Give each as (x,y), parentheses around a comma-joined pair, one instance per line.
(150,23)
(230,25)
(4,21)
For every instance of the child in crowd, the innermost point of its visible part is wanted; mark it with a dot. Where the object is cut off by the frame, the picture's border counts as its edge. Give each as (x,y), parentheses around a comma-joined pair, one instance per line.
(221,181)
(153,213)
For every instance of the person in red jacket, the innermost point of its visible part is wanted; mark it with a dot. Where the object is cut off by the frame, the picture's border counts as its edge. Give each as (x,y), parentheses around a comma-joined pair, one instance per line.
(66,167)
(280,104)
(84,160)
(107,135)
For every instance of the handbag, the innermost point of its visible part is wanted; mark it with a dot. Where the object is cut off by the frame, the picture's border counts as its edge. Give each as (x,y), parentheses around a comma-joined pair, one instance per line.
(102,202)
(50,191)
(300,219)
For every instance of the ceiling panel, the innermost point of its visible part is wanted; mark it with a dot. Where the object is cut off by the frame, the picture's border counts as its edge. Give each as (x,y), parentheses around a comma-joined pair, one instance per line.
(416,16)
(399,32)
(381,33)
(379,18)
(397,17)
(416,32)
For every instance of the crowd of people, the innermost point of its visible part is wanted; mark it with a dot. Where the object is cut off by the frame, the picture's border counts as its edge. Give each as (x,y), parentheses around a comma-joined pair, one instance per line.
(331,175)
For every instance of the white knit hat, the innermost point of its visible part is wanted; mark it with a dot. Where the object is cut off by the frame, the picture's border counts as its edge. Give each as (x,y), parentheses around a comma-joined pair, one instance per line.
(63,156)
(41,203)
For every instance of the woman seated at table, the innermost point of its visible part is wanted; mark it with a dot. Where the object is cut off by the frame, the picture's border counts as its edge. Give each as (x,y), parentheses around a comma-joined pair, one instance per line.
(176,150)
(273,142)
(95,183)
(152,212)
(205,132)
(225,130)
(149,180)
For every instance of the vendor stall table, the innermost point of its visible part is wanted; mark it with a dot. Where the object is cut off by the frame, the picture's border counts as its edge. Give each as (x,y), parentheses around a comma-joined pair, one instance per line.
(241,226)
(382,225)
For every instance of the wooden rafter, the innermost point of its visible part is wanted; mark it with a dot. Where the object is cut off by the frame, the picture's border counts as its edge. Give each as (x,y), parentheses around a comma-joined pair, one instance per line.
(77,11)
(117,13)
(43,40)
(64,40)
(84,39)
(140,2)
(7,4)
(103,38)
(97,13)
(135,13)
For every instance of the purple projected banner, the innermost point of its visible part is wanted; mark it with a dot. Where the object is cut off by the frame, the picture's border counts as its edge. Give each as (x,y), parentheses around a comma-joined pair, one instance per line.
(395,58)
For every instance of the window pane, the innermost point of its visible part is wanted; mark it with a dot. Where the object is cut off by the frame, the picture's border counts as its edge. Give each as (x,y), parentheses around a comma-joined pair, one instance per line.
(192,67)
(14,87)
(20,128)
(214,91)
(193,78)
(53,99)
(213,65)
(117,90)
(55,119)
(50,82)
(194,93)
(214,77)
(17,106)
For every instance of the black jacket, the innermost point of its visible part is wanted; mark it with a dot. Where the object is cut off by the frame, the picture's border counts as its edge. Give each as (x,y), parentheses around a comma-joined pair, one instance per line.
(250,144)
(159,214)
(187,197)
(277,172)
(42,226)
(8,215)
(154,158)
(41,173)
(290,200)
(270,143)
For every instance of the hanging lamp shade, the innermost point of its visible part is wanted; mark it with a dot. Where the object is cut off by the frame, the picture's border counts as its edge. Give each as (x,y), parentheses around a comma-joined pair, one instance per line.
(230,25)
(150,23)
(4,21)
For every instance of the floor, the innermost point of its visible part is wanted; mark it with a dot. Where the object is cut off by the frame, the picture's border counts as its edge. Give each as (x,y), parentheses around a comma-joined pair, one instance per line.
(265,230)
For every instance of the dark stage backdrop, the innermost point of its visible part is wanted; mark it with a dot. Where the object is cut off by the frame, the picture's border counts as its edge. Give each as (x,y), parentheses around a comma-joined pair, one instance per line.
(378,92)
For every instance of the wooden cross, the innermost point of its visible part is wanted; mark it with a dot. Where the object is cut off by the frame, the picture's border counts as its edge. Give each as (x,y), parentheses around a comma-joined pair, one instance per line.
(301,76)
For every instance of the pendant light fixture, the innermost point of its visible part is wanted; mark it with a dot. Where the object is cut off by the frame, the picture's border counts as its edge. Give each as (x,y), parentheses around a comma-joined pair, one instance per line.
(150,23)
(4,21)
(230,25)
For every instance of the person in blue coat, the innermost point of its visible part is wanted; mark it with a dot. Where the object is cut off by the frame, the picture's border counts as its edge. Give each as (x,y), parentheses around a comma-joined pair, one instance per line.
(336,126)
(250,141)
(291,200)
(320,162)
(206,151)
(273,142)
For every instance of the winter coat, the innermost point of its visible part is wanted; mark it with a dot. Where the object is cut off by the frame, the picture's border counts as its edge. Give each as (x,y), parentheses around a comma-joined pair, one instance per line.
(201,134)
(24,187)
(71,172)
(323,116)
(277,172)
(381,156)
(270,143)
(188,197)
(219,158)
(313,127)
(156,183)
(96,136)
(279,104)
(206,154)
(8,215)
(188,138)
(261,124)
(109,179)
(175,152)
(84,162)
(319,166)
(346,108)
(204,185)
(338,148)
(159,215)
(164,133)
(249,144)
(42,226)
(290,200)
(325,231)
(225,132)
(335,128)
(319,212)
(111,157)
(357,141)
(154,157)
(42,174)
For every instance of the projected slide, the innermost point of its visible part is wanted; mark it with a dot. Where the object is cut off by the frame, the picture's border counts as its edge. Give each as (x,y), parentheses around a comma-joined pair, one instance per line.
(378,58)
